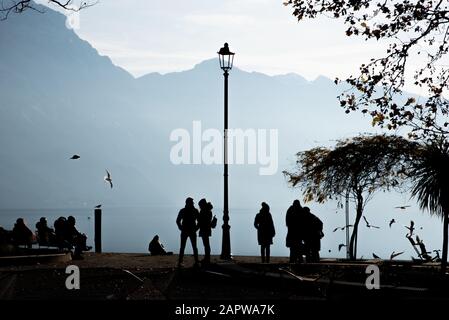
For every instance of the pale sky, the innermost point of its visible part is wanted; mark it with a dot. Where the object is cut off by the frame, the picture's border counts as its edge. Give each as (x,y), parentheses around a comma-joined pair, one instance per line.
(165,36)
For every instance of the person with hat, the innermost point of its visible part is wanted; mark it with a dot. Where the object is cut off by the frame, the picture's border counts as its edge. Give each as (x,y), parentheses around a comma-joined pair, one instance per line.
(265,231)
(205,224)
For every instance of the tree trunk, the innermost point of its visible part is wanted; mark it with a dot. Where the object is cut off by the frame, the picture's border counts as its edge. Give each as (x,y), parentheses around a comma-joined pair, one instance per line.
(353,242)
(445,241)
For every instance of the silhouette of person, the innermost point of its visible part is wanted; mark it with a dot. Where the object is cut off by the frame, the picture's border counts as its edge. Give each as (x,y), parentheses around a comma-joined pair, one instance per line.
(205,224)
(22,234)
(263,222)
(5,236)
(76,238)
(156,248)
(60,227)
(293,220)
(312,236)
(46,235)
(187,222)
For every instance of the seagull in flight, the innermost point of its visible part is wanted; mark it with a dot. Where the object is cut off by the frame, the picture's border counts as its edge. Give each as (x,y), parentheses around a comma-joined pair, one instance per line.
(395,254)
(391,222)
(75,157)
(402,207)
(411,228)
(368,225)
(342,228)
(108,178)
(437,252)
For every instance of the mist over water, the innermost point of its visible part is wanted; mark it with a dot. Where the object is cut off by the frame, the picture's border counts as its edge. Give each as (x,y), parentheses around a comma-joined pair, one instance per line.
(129,229)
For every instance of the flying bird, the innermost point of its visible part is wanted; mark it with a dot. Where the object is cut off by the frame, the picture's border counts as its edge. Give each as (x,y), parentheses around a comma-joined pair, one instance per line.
(375,256)
(402,207)
(411,228)
(98,206)
(341,245)
(395,254)
(342,228)
(368,225)
(75,157)
(437,256)
(108,178)
(391,222)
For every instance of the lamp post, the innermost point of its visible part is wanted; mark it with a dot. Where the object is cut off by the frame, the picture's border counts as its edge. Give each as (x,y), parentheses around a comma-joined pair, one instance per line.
(226,58)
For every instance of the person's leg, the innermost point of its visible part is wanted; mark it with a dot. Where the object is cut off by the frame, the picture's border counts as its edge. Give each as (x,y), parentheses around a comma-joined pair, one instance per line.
(83,243)
(299,252)
(262,253)
(316,251)
(292,254)
(183,246)
(206,249)
(316,256)
(194,247)
(268,253)
(307,251)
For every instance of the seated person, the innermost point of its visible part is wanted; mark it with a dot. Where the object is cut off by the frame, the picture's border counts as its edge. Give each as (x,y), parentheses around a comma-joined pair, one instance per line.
(5,236)
(156,248)
(75,238)
(21,234)
(60,238)
(46,235)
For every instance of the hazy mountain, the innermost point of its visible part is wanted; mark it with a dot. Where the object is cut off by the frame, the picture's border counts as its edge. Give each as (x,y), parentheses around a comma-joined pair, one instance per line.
(60,97)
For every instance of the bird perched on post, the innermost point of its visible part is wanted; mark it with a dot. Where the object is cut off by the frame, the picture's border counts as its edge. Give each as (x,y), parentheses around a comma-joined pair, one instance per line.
(98,206)
(108,178)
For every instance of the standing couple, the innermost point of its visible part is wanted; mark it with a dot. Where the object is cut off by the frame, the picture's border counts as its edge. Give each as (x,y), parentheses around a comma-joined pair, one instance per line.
(304,234)
(189,221)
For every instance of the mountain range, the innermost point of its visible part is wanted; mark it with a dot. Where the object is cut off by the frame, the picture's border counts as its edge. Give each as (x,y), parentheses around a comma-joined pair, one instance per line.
(60,97)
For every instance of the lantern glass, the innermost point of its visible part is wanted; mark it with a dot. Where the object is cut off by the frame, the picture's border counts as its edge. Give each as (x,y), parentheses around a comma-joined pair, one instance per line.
(226,58)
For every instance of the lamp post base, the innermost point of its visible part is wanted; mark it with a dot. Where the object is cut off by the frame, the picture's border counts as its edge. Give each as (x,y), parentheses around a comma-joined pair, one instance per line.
(226,243)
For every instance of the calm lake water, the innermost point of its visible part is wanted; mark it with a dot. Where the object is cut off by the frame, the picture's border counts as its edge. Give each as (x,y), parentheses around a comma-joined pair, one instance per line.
(130,230)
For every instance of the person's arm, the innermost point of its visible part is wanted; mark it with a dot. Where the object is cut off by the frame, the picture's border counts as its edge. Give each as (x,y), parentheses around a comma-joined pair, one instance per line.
(197,220)
(178,220)
(256,222)
(209,219)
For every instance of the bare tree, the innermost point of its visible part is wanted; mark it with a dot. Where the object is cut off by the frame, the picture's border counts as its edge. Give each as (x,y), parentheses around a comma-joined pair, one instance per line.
(18,6)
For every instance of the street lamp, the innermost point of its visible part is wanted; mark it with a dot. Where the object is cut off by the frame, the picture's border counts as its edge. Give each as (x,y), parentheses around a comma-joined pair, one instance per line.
(226,58)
